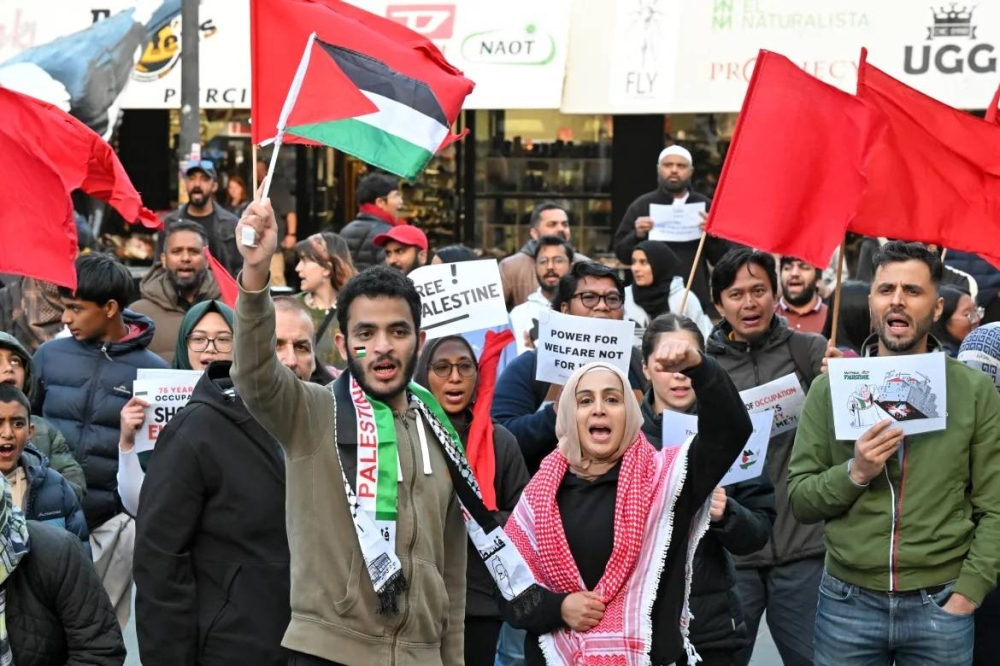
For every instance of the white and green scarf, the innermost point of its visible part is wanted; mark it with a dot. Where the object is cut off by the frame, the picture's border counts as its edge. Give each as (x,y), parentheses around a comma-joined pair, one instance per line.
(13,547)
(373,497)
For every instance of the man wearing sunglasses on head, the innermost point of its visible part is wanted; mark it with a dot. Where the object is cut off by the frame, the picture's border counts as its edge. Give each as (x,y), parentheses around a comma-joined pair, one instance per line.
(201,182)
(526,406)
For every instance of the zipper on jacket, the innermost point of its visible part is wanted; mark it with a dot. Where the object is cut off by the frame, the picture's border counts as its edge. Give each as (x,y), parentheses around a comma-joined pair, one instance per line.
(409,548)
(88,408)
(104,350)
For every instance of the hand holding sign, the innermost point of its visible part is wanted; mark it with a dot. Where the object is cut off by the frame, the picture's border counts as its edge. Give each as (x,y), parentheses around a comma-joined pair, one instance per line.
(132,417)
(872,450)
(718,508)
(675,355)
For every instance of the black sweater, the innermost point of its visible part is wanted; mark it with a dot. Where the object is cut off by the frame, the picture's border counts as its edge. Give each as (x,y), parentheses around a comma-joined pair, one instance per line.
(587,511)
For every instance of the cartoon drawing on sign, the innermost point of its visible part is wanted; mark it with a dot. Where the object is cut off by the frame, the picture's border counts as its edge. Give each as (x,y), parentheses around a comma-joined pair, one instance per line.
(907,396)
(865,411)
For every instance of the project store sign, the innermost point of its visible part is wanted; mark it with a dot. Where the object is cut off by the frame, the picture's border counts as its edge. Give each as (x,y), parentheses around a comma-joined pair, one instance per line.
(515,51)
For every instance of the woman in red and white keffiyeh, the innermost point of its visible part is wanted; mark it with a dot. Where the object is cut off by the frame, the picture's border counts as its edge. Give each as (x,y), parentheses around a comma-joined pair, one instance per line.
(609,525)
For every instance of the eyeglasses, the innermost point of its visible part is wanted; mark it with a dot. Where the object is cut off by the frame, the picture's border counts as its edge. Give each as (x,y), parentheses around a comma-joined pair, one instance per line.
(199,343)
(975,316)
(555,261)
(443,368)
(590,300)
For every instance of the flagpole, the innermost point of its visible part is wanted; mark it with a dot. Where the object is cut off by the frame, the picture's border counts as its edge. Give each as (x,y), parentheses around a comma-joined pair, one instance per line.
(694,269)
(286,110)
(253,168)
(944,253)
(836,294)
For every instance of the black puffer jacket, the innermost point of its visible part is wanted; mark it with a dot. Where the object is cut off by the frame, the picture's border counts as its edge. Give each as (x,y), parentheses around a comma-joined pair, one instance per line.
(360,236)
(57,610)
(82,389)
(50,498)
(745,527)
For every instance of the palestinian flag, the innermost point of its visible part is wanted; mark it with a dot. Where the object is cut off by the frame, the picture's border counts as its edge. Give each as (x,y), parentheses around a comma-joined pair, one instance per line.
(365,85)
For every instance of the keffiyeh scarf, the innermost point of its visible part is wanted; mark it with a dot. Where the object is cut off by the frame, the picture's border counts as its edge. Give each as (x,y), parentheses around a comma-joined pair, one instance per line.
(13,547)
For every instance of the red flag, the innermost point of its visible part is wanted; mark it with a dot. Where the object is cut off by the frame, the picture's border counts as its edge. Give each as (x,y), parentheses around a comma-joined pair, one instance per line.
(480,451)
(228,289)
(37,227)
(394,60)
(82,159)
(991,110)
(934,174)
(795,168)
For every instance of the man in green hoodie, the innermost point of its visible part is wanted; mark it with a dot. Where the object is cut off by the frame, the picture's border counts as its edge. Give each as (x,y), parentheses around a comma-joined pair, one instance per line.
(912,523)
(17,368)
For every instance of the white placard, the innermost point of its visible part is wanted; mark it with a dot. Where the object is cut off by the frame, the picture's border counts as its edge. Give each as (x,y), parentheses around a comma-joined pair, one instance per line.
(783,395)
(567,342)
(167,394)
(678,223)
(749,464)
(461,297)
(909,389)
(521,322)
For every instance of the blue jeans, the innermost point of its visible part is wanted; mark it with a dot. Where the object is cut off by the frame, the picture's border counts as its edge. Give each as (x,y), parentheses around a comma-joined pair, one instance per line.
(510,647)
(860,627)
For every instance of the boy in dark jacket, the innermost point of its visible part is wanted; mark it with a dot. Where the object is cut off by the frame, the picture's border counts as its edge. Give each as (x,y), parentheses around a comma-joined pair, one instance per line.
(38,491)
(379,201)
(18,369)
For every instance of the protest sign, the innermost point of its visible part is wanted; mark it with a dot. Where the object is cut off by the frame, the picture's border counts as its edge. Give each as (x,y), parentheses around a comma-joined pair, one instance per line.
(910,389)
(167,392)
(783,395)
(461,297)
(567,342)
(677,223)
(522,321)
(749,463)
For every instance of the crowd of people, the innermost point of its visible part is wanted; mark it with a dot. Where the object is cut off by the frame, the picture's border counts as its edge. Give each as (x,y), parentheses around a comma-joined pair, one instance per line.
(339,489)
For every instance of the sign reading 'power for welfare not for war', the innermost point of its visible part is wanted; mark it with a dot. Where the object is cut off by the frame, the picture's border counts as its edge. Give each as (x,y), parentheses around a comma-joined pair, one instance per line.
(566,342)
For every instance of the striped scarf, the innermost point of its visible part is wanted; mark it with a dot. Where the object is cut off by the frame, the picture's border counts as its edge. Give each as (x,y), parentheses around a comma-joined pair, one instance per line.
(13,546)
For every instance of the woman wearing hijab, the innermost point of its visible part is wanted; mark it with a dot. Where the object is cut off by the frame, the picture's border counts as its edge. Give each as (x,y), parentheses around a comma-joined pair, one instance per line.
(324,267)
(658,288)
(609,525)
(206,335)
(740,518)
(448,368)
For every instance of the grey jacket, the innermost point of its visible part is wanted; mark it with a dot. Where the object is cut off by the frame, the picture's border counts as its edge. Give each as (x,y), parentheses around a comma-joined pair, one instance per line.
(750,366)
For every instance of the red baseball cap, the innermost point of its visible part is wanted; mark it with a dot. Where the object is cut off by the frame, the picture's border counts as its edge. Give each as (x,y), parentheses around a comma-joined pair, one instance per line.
(404,234)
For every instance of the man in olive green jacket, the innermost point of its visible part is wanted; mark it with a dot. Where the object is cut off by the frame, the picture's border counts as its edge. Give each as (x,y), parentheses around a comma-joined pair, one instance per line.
(338,616)
(912,523)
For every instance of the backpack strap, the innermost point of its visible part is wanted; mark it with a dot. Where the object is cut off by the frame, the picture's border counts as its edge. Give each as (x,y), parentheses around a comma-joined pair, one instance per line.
(798,346)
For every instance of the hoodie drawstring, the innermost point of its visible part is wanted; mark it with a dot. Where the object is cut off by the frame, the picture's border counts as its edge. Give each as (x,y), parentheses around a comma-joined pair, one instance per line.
(424,453)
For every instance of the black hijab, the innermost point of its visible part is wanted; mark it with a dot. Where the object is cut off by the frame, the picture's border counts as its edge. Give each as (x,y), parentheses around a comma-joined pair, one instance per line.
(460,422)
(664,264)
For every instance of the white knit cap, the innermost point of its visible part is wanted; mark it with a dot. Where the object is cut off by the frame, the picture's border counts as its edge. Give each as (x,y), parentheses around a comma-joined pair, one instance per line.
(675,150)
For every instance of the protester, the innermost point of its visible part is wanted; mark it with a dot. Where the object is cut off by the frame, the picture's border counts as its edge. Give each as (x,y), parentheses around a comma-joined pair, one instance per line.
(981,350)
(211,553)
(854,325)
(741,515)
(205,335)
(959,317)
(379,201)
(237,195)
(30,310)
(283,203)
(929,572)
(517,272)
(18,369)
(755,348)
(448,368)
(610,525)
(84,381)
(217,223)
(452,254)
(410,573)
(553,257)
(324,267)
(405,248)
(658,288)
(170,289)
(52,608)
(673,174)
(38,491)
(800,303)
(527,407)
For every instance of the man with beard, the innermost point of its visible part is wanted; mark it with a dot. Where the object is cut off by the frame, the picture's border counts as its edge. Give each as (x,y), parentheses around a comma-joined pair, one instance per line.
(553,256)
(800,303)
(673,174)
(405,248)
(366,587)
(755,348)
(170,289)
(217,223)
(902,582)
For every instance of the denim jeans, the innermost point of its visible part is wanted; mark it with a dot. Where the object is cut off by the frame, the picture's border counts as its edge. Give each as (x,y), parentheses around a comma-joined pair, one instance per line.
(860,627)
(510,647)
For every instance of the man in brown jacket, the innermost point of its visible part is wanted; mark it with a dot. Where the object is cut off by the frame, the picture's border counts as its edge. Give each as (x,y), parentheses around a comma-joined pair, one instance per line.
(400,597)
(170,289)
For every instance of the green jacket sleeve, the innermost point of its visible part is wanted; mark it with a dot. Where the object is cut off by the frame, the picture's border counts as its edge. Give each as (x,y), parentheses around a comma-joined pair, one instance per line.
(819,487)
(982,565)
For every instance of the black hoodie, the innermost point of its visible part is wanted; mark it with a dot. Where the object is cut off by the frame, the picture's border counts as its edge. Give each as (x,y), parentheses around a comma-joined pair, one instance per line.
(211,554)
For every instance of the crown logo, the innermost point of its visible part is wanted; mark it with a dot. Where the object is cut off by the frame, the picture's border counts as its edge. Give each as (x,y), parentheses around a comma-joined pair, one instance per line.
(952,22)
